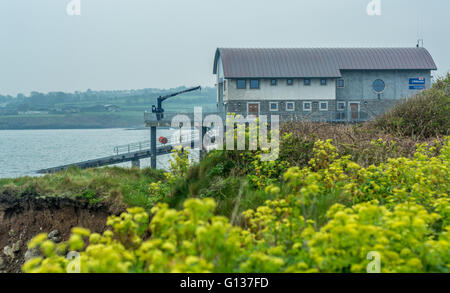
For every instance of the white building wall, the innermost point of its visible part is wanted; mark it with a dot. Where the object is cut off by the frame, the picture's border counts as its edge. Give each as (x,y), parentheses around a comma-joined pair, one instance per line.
(282,91)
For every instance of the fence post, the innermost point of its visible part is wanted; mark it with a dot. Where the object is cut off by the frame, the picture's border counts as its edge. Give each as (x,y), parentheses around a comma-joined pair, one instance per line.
(153,146)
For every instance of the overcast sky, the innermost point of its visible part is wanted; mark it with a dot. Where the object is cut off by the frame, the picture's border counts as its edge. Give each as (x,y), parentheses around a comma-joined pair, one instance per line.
(130,44)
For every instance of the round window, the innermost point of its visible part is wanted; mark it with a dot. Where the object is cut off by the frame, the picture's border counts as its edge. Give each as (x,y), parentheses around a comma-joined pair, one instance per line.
(379,85)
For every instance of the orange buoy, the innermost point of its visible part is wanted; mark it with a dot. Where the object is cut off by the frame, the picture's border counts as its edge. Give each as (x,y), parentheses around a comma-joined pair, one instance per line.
(163,140)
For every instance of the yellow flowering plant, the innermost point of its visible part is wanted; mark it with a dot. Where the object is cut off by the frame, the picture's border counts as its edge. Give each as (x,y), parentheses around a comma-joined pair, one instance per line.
(327,217)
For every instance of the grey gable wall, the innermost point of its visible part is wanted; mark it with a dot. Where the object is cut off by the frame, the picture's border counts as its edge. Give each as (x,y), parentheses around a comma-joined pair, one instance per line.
(358,84)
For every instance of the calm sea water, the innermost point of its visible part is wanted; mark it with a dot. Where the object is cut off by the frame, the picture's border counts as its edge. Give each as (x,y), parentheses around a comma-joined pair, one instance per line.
(22,152)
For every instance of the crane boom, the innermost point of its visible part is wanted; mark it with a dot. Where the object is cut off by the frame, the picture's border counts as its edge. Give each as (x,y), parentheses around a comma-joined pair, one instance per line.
(159,110)
(179,93)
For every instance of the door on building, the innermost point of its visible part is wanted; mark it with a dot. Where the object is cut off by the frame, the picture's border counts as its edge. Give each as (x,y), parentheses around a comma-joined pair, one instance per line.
(354,110)
(315,106)
(253,109)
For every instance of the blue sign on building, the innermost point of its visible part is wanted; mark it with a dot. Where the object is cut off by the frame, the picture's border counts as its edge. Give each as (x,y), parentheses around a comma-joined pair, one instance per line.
(417,83)
(419,80)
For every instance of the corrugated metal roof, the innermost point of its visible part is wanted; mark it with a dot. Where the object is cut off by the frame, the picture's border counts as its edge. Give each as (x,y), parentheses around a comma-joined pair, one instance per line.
(318,62)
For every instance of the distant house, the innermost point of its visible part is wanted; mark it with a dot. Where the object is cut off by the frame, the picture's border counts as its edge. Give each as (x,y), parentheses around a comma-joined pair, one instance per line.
(70,109)
(319,84)
(112,108)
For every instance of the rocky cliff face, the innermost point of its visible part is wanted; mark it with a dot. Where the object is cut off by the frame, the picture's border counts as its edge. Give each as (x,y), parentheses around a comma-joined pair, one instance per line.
(23,216)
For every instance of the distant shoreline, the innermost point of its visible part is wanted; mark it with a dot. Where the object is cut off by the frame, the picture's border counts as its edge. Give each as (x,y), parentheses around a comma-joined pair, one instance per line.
(128,120)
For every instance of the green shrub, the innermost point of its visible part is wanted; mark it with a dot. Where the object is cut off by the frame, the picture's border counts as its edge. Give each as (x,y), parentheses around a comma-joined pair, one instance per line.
(425,115)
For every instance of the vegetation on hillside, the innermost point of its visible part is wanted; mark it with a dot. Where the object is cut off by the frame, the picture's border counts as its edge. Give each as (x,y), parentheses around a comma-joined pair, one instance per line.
(326,217)
(425,115)
(93,109)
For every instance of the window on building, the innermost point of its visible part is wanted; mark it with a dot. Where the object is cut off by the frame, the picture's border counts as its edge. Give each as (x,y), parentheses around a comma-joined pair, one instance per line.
(290,82)
(241,84)
(341,106)
(340,83)
(224,85)
(307,81)
(273,106)
(323,106)
(290,106)
(254,83)
(306,106)
(273,82)
(379,86)
(323,81)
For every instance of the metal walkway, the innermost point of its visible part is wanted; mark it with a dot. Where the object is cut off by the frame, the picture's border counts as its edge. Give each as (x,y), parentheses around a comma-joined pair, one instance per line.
(127,153)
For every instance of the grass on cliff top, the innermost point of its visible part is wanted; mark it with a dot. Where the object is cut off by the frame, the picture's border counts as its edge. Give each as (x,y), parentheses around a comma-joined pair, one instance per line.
(127,185)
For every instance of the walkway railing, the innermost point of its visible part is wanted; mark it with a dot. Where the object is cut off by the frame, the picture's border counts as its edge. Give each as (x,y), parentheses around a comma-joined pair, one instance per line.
(145,145)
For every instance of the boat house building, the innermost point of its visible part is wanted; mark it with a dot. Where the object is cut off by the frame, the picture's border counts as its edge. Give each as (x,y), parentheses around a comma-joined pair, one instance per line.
(319,84)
